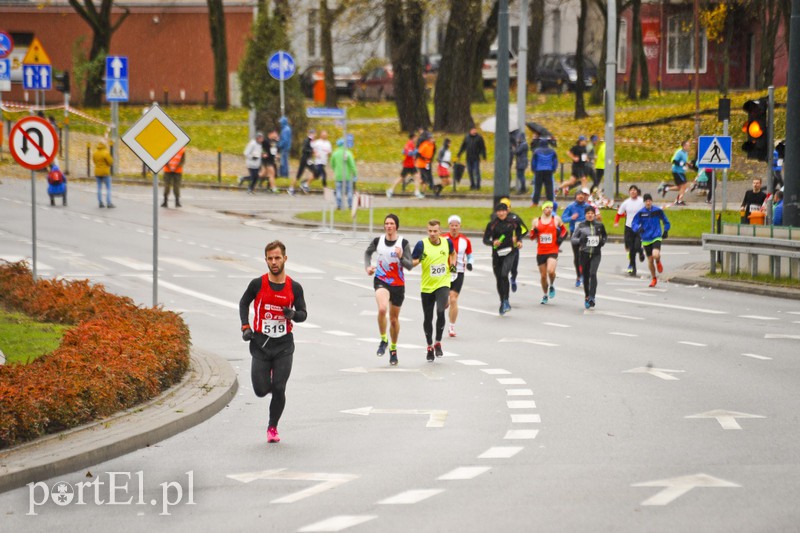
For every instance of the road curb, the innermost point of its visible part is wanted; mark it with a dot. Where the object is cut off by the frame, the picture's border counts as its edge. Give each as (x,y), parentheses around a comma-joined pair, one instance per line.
(699,279)
(209,385)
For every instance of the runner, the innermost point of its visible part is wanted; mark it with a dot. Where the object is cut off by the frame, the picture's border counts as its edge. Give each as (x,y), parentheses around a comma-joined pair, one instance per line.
(590,236)
(522,229)
(436,255)
(463,248)
(390,286)
(680,160)
(549,232)
(647,223)
(501,234)
(409,168)
(278,302)
(633,244)
(574,214)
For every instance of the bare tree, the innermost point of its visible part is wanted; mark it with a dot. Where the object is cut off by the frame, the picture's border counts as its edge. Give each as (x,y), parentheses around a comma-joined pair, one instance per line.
(219,45)
(99,20)
(580,106)
(769,19)
(596,95)
(535,38)
(638,57)
(404,23)
(486,37)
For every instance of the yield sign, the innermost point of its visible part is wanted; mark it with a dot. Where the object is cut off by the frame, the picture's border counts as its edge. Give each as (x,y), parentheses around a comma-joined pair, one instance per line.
(726,419)
(676,487)
(33,142)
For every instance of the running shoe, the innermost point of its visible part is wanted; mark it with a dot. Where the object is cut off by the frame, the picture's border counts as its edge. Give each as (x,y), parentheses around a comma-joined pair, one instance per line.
(552,293)
(291,192)
(437,349)
(662,188)
(452,330)
(680,202)
(272,434)
(393,357)
(653,282)
(578,282)
(586,303)
(544,300)
(305,188)
(382,348)
(419,195)
(659,267)
(389,194)
(591,302)
(429,355)
(630,270)
(513,285)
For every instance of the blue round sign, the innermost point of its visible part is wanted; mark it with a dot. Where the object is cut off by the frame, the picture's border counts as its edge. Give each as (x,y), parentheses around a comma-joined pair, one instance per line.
(281,65)
(6,45)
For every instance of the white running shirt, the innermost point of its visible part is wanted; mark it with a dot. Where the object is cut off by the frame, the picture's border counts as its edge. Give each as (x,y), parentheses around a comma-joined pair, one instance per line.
(322,149)
(629,208)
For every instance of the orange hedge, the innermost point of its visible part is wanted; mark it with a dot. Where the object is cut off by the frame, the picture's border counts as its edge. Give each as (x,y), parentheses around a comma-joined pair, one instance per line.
(116,356)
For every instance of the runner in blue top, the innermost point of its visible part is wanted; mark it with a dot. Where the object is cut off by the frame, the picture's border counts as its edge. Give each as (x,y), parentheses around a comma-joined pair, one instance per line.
(680,160)
(648,222)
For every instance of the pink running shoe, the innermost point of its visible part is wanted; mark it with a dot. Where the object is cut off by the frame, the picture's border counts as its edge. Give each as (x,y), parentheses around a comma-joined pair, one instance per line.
(272,434)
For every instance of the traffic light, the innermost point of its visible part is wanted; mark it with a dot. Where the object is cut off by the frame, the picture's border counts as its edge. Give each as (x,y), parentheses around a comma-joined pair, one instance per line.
(62,81)
(757,129)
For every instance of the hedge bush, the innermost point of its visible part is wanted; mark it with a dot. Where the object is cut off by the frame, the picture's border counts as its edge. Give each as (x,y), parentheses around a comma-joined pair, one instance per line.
(116,356)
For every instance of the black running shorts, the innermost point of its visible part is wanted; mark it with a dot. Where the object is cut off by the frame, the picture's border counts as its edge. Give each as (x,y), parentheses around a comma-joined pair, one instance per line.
(397,293)
(648,249)
(542,259)
(455,284)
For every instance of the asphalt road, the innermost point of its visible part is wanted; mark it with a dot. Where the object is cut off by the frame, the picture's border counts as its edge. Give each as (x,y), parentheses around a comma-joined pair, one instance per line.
(663,409)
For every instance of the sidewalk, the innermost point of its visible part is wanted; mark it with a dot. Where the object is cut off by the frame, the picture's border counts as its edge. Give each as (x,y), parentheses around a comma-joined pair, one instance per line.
(209,385)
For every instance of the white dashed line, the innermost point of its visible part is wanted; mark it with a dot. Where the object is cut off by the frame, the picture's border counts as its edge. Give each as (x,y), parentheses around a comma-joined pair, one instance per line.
(755,356)
(410,497)
(495,371)
(556,325)
(337,523)
(337,333)
(465,472)
(472,362)
(758,317)
(521,404)
(511,381)
(621,334)
(526,419)
(689,343)
(501,452)
(521,434)
(519,392)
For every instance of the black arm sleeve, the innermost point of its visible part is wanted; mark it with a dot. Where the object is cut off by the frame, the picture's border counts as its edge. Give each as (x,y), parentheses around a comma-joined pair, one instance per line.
(300,311)
(371,249)
(487,234)
(247,298)
(407,260)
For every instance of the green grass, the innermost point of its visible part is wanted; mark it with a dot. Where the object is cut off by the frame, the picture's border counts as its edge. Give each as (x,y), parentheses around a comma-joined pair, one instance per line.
(22,339)
(759,279)
(685,222)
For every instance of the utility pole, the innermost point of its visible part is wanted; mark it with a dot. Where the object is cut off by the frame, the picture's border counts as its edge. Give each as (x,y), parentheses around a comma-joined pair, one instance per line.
(696,70)
(502,156)
(522,65)
(610,97)
(791,164)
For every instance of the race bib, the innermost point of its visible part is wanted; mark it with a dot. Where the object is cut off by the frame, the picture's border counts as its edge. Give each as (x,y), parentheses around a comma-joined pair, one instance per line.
(546,238)
(583,157)
(592,241)
(755,207)
(438,270)
(273,150)
(274,328)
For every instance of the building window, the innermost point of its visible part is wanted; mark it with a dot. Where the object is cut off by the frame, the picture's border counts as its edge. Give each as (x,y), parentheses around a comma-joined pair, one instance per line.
(312,32)
(622,47)
(680,45)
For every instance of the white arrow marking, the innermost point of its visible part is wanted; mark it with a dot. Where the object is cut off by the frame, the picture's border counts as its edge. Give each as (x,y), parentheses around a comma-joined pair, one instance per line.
(678,486)
(436,417)
(726,419)
(29,75)
(44,74)
(116,67)
(327,481)
(391,370)
(530,341)
(657,372)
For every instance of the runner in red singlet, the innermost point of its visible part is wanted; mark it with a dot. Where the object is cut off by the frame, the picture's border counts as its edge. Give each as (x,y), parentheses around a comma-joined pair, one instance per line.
(548,232)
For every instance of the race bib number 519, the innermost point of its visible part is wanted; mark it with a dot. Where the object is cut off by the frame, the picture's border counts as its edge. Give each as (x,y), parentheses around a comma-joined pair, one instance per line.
(274,328)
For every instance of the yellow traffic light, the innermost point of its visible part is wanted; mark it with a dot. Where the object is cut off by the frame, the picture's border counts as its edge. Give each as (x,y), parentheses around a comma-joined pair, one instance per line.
(754,130)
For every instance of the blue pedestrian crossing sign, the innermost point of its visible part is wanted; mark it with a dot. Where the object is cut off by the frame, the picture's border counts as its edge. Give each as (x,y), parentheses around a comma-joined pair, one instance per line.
(714,151)
(117,89)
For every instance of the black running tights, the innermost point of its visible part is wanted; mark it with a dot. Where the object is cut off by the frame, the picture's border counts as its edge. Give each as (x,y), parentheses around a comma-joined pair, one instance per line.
(270,376)
(589,265)
(439,299)
(502,265)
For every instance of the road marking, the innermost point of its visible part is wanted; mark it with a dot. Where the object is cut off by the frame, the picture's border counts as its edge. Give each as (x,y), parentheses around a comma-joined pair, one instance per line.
(519,392)
(526,419)
(186,265)
(689,343)
(651,304)
(464,472)
(511,381)
(678,486)
(392,369)
(337,523)
(18,258)
(501,452)
(190,292)
(133,264)
(338,333)
(305,325)
(618,315)
(521,404)
(726,419)
(326,481)
(495,371)
(781,336)
(621,334)
(300,269)
(521,434)
(529,341)
(375,314)
(471,362)
(758,317)
(755,356)
(657,372)
(556,325)
(410,497)
(436,417)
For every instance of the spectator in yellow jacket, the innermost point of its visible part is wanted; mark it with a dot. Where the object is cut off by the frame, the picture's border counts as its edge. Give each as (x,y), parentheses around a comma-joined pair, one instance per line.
(102,172)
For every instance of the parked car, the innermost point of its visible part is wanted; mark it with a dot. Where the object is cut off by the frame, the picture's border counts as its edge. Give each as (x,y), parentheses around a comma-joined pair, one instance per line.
(377,84)
(430,63)
(489,69)
(344,77)
(559,71)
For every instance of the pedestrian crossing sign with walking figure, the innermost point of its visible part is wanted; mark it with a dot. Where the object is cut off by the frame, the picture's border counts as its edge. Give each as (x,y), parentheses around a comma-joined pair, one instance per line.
(714,151)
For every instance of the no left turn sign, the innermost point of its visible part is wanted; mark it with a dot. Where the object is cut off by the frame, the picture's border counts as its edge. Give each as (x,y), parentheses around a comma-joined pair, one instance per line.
(33,142)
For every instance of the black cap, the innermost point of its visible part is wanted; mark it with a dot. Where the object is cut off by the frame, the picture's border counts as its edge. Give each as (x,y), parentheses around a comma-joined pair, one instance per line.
(501,207)
(647,196)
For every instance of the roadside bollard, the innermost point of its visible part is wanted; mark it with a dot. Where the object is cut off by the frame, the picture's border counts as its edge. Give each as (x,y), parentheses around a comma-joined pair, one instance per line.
(219,165)
(166,97)
(88,160)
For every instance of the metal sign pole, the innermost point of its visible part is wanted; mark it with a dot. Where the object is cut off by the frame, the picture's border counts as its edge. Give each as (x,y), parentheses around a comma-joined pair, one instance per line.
(155,239)
(33,222)
(281,78)
(725,124)
(115,138)
(66,133)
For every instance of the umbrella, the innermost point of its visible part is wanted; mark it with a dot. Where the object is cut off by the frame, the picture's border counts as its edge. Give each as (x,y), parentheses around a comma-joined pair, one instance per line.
(538,129)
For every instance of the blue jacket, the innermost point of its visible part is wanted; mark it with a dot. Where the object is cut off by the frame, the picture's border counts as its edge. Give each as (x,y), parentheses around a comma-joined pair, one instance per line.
(777,214)
(285,141)
(648,223)
(572,209)
(544,158)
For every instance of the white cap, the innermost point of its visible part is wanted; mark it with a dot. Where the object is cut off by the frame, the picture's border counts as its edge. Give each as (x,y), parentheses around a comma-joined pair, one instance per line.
(454,218)
(585,191)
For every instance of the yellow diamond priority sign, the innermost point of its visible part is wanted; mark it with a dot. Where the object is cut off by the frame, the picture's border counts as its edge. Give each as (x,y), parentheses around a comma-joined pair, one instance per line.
(155,138)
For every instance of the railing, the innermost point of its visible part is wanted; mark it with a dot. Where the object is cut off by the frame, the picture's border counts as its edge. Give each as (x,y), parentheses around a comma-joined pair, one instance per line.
(776,257)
